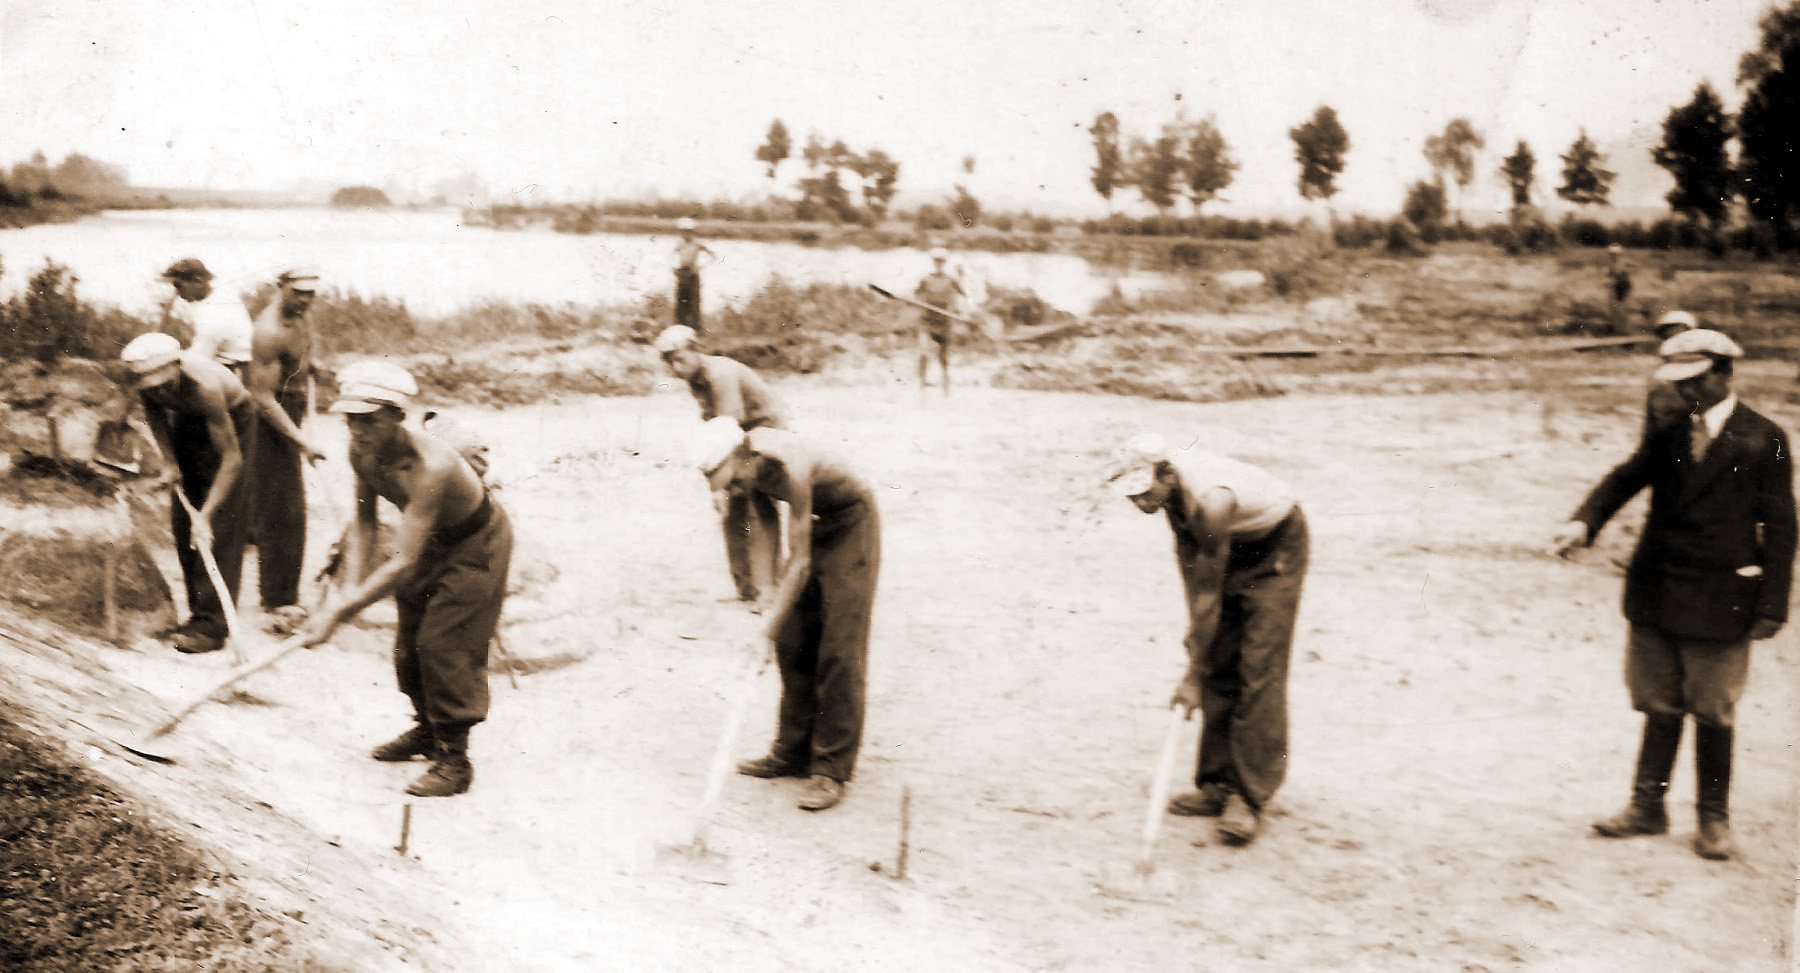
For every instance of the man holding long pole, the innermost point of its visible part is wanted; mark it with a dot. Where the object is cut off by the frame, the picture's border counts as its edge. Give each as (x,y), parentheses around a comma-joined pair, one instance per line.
(1242,545)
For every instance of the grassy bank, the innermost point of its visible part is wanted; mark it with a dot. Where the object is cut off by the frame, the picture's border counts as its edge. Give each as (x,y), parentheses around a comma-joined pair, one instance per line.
(86,883)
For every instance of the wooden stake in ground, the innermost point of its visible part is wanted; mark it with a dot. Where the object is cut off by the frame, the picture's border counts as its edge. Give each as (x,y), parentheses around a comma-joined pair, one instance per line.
(405,827)
(905,831)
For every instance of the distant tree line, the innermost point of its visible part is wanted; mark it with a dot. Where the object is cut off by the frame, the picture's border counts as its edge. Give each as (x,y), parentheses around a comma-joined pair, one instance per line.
(36,180)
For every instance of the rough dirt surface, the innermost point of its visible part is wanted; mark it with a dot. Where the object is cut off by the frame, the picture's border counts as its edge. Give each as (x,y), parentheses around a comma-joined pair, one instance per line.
(1458,716)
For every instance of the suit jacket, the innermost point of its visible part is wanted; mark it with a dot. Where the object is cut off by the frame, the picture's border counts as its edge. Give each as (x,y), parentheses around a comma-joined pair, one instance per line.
(1717,548)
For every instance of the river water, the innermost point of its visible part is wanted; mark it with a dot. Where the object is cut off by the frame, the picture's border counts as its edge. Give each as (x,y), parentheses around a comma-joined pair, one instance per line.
(434,263)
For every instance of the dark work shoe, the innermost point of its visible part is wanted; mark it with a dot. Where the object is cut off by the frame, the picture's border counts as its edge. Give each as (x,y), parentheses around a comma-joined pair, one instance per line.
(1237,822)
(769,767)
(1207,802)
(1637,819)
(822,793)
(1713,843)
(416,742)
(450,775)
(196,643)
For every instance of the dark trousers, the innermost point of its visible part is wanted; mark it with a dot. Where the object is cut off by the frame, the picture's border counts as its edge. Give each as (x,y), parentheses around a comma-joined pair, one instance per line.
(822,647)
(752,525)
(198,462)
(687,297)
(277,508)
(449,611)
(1244,672)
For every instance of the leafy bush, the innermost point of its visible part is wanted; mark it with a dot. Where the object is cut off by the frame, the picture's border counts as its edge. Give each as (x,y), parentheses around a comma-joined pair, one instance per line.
(1359,232)
(1583,232)
(49,321)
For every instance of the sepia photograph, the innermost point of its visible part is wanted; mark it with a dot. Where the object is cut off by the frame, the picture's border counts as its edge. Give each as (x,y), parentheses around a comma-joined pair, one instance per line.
(652,485)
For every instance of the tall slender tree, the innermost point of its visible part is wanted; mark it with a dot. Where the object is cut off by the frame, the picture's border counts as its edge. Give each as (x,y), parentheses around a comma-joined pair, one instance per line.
(1319,146)
(1452,156)
(1694,151)
(1109,162)
(1585,183)
(1519,169)
(1210,167)
(1768,170)
(776,146)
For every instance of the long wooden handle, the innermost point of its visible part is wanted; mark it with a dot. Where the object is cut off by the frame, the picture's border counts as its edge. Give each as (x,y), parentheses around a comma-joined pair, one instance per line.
(1159,788)
(237,675)
(721,761)
(884,292)
(226,602)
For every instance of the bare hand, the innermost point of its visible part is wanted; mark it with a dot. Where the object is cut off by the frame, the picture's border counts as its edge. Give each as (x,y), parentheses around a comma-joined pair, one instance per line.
(317,630)
(1764,628)
(1187,696)
(1570,536)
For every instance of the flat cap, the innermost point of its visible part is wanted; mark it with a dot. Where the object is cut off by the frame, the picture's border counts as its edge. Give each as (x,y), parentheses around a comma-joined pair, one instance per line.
(148,352)
(367,385)
(187,268)
(1692,353)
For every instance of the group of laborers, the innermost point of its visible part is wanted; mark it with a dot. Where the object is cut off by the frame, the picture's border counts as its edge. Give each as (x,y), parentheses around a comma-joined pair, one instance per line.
(226,413)
(1712,570)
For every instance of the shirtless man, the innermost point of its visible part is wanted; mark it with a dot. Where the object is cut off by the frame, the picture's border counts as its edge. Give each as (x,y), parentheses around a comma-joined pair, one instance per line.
(280,370)
(937,289)
(199,414)
(448,575)
(690,256)
(819,617)
(725,387)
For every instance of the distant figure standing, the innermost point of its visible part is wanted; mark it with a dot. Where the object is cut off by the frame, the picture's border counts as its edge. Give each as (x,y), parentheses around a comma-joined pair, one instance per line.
(1242,545)
(1663,405)
(1712,573)
(690,256)
(280,372)
(218,327)
(819,619)
(941,290)
(726,387)
(1618,285)
(200,415)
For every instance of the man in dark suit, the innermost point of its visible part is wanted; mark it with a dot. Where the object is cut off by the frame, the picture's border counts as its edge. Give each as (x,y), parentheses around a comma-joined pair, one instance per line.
(1711,574)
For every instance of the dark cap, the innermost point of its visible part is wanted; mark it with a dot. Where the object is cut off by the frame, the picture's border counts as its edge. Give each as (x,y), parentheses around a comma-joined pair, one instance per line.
(188,269)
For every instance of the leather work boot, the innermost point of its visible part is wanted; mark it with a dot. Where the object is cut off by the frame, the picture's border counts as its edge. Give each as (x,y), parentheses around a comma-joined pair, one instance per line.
(770,766)
(416,742)
(1712,772)
(822,793)
(1237,822)
(1656,760)
(450,772)
(1207,802)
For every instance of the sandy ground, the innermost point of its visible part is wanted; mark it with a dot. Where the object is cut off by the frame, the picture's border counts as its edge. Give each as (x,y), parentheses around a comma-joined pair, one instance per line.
(1458,718)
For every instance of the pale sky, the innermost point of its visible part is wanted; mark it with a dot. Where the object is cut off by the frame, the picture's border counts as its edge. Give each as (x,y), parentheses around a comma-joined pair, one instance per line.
(554,101)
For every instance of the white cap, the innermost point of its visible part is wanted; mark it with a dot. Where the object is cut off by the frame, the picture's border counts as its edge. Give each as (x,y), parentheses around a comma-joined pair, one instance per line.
(1686,321)
(679,336)
(1134,464)
(300,278)
(938,253)
(369,384)
(1615,248)
(1692,353)
(684,224)
(714,443)
(148,352)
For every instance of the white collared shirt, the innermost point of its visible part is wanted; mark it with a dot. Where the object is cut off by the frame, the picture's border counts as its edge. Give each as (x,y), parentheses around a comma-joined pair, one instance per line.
(1715,417)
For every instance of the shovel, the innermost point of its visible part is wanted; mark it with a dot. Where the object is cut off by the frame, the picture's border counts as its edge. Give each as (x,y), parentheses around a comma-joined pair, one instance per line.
(705,865)
(226,602)
(1136,884)
(147,745)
